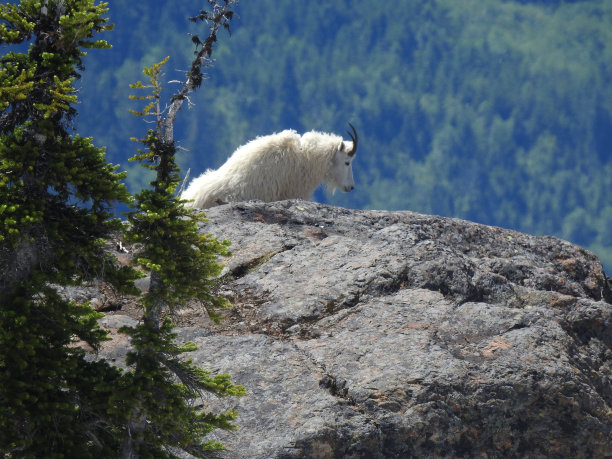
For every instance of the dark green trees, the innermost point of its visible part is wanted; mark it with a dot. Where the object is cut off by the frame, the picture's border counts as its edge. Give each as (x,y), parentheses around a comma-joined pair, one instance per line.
(55,194)
(497,111)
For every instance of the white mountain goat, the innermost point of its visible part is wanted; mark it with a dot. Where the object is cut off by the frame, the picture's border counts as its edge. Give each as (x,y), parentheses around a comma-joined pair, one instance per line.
(276,167)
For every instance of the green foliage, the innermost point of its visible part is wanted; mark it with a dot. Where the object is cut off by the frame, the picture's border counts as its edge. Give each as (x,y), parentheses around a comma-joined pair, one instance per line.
(184,260)
(56,196)
(54,402)
(166,386)
(182,265)
(152,107)
(56,193)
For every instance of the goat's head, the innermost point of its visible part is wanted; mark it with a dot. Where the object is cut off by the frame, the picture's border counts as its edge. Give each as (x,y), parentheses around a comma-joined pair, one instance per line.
(342,169)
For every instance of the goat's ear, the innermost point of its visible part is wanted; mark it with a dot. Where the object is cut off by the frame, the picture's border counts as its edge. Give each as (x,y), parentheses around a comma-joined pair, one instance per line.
(341,146)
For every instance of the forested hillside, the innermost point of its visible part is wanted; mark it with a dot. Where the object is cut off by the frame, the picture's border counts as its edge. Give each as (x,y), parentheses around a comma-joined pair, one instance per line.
(496,111)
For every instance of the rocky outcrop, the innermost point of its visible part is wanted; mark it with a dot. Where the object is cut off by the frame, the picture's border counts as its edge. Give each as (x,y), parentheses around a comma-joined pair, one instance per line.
(370,334)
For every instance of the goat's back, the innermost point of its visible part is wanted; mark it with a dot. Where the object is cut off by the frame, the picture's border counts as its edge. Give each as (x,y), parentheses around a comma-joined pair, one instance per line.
(268,168)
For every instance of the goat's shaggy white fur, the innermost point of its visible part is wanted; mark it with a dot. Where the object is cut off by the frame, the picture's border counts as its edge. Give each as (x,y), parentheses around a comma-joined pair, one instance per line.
(276,167)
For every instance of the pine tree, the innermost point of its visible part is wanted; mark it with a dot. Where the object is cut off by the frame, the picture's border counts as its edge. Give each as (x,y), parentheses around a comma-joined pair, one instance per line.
(56,193)
(182,264)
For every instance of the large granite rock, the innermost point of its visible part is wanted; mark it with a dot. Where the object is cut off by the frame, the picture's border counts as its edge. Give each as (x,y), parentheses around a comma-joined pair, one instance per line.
(370,334)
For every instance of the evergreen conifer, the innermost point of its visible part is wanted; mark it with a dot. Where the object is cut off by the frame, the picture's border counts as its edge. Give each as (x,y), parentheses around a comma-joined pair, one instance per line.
(56,198)
(181,263)
(56,193)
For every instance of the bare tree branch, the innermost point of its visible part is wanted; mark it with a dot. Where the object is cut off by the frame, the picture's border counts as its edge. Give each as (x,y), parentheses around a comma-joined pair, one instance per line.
(220,17)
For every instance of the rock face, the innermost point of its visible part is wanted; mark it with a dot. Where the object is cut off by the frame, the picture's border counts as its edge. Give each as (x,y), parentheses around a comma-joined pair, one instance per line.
(370,334)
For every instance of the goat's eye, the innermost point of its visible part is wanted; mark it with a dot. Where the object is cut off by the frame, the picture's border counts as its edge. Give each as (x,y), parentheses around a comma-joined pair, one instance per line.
(348,163)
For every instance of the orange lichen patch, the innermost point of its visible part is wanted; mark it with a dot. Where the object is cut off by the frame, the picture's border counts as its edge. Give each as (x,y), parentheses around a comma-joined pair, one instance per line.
(495,345)
(569,264)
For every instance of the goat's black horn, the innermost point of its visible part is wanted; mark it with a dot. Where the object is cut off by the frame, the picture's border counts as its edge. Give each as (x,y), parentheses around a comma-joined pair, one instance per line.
(353,137)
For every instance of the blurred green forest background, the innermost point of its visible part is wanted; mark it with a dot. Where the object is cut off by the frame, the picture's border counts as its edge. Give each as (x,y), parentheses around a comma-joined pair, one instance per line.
(495,111)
